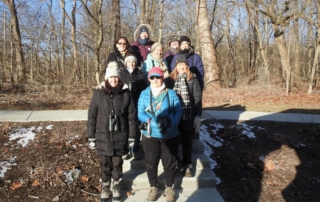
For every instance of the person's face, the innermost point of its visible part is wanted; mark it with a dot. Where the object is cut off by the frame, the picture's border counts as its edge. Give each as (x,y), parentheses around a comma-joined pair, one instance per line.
(156,81)
(158,52)
(144,35)
(184,45)
(113,81)
(182,68)
(174,44)
(131,64)
(121,45)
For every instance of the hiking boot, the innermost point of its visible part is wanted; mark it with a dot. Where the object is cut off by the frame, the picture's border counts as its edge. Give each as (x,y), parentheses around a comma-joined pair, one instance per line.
(152,195)
(116,192)
(105,192)
(169,194)
(188,171)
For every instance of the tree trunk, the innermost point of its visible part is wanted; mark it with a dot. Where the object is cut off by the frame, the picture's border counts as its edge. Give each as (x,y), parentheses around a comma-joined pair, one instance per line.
(212,69)
(297,69)
(142,11)
(63,54)
(161,21)
(116,17)
(21,71)
(152,12)
(317,52)
(283,51)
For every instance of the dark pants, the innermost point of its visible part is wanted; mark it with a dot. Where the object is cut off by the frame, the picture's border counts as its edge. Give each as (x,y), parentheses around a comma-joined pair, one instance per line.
(136,145)
(164,149)
(186,139)
(111,166)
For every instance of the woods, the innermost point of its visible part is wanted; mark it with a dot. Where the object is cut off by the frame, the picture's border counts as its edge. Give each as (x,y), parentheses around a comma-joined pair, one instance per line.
(245,42)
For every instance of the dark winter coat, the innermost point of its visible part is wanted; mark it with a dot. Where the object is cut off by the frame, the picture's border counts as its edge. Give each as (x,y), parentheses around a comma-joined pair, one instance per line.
(168,56)
(195,66)
(111,143)
(116,56)
(142,51)
(136,82)
(195,95)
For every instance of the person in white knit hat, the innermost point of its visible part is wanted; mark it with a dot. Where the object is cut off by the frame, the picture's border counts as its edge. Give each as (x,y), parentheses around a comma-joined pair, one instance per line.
(111,125)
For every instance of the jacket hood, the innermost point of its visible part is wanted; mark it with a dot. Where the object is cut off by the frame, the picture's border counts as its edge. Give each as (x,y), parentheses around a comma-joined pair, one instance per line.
(137,32)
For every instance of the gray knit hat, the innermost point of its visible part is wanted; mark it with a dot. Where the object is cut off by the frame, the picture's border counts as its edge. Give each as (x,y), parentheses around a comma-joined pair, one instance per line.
(181,59)
(112,70)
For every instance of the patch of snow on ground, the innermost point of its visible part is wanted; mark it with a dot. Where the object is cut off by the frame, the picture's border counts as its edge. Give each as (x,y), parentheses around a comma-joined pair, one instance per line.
(218,126)
(246,130)
(49,127)
(71,175)
(23,134)
(39,129)
(205,138)
(6,165)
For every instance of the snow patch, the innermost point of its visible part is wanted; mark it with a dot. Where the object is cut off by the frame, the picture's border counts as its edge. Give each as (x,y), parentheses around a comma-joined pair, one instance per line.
(49,127)
(23,134)
(6,165)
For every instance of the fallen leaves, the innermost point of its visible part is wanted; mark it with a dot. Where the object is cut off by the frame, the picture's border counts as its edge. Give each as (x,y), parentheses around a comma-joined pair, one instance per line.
(84,178)
(35,183)
(270,165)
(15,185)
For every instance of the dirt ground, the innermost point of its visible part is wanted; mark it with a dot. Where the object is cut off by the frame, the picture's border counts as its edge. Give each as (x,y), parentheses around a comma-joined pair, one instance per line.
(279,164)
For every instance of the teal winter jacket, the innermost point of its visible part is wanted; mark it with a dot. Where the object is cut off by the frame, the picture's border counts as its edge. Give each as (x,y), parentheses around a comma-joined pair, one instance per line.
(174,113)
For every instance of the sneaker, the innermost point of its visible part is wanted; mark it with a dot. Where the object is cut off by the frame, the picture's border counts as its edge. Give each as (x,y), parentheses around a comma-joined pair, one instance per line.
(116,192)
(169,194)
(152,195)
(126,156)
(105,192)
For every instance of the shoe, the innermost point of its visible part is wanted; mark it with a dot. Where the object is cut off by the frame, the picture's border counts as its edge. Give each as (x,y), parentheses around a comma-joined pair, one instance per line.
(152,195)
(116,192)
(169,194)
(126,156)
(177,163)
(188,171)
(136,156)
(105,192)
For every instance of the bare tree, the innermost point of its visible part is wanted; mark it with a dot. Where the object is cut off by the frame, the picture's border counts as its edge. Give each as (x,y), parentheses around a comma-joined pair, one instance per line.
(98,38)
(63,20)
(142,11)
(116,18)
(20,76)
(213,77)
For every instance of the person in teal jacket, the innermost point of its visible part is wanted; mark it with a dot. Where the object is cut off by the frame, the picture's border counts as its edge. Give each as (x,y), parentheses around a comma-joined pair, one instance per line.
(160,111)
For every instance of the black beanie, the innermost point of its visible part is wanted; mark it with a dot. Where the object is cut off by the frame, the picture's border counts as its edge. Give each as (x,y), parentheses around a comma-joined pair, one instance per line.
(184,38)
(181,59)
(143,29)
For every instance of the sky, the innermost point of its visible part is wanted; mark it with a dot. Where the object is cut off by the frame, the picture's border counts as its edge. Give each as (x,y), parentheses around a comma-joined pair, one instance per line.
(21,137)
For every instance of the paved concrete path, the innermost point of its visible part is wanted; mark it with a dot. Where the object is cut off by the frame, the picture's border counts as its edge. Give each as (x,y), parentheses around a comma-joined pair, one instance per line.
(81,115)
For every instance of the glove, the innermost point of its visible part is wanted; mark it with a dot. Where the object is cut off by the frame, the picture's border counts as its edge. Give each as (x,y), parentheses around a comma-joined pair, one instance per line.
(197,123)
(131,141)
(92,143)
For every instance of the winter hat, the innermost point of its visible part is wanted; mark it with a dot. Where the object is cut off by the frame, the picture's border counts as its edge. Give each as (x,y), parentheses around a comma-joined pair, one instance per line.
(130,58)
(143,29)
(155,45)
(184,38)
(112,70)
(155,71)
(181,59)
(172,40)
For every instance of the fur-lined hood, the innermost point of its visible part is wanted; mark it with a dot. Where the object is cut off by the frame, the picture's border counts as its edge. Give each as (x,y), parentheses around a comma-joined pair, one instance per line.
(137,32)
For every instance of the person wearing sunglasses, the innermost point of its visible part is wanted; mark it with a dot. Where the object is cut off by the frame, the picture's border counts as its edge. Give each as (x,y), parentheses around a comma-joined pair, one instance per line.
(188,89)
(155,59)
(160,111)
(121,49)
(111,125)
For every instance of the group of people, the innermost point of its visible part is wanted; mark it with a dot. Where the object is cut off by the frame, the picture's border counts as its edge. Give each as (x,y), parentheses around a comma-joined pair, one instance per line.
(148,93)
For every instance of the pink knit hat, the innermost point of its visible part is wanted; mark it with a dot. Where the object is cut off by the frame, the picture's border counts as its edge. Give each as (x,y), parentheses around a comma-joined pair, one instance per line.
(155,71)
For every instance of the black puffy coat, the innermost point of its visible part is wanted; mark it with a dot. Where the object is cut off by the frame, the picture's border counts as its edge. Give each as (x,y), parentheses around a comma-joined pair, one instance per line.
(136,81)
(101,107)
(116,56)
(195,94)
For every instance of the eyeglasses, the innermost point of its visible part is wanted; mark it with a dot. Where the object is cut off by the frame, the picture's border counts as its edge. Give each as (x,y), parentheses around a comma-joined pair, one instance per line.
(122,44)
(153,77)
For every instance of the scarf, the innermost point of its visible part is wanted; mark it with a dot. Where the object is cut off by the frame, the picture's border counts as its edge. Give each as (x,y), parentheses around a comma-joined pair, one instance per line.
(174,50)
(156,91)
(143,41)
(130,70)
(186,52)
(181,88)
(162,65)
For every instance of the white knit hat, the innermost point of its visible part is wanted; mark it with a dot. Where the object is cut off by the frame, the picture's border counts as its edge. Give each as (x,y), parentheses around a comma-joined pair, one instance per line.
(112,70)
(130,58)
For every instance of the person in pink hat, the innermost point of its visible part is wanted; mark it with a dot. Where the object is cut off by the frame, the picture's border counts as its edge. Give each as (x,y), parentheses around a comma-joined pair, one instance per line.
(160,111)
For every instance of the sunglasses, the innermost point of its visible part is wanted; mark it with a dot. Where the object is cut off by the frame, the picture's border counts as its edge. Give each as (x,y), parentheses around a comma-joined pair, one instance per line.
(153,77)
(122,43)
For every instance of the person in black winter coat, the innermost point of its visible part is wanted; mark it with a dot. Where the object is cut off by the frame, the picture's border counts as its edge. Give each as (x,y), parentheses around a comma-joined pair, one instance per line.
(111,125)
(137,82)
(188,89)
(121,49)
